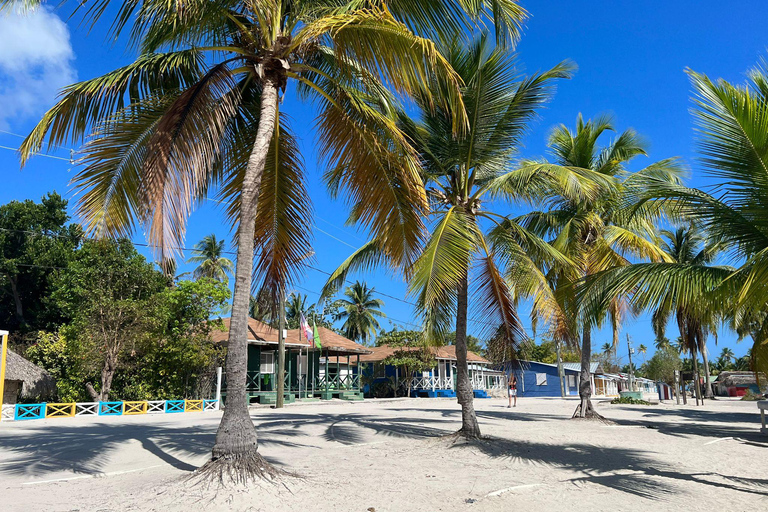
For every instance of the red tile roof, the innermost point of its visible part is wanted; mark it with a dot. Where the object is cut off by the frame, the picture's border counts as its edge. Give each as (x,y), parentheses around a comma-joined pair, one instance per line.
(262,333)
(445,352)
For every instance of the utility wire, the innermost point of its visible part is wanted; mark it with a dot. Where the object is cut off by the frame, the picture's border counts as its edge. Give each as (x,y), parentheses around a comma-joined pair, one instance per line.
(16,150)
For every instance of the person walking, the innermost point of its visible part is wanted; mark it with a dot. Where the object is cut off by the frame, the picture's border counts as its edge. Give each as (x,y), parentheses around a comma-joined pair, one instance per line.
(512,390)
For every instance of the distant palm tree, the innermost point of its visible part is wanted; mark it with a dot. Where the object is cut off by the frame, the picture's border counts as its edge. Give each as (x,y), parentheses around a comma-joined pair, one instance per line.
(661,343)
(360,311)
(727,355)
(294,308)
(607,349)
(209,254)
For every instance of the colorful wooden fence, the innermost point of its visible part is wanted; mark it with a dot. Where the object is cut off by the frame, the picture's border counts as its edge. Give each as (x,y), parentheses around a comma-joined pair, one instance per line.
(20,412)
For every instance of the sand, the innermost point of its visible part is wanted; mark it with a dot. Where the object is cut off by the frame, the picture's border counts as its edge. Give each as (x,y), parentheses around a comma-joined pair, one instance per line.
(394,456)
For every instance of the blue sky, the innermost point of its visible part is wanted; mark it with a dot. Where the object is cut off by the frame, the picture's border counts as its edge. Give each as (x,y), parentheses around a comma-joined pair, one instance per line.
(631,63)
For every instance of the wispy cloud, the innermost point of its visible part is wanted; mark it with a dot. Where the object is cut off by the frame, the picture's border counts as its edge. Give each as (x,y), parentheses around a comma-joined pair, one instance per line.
(35,63)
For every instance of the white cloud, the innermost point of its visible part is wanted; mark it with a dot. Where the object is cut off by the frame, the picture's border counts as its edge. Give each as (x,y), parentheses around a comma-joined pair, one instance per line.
(35,63)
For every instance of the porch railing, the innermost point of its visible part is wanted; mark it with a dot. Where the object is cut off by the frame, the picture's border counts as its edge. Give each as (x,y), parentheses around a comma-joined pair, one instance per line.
(430,382)
(349,381)
(257,382)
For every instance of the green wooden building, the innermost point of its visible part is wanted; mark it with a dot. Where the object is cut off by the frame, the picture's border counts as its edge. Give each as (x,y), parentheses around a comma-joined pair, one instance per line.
(330,371)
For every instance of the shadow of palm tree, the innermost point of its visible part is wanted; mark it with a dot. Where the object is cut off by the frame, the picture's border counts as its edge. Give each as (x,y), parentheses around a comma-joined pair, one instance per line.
(627,470)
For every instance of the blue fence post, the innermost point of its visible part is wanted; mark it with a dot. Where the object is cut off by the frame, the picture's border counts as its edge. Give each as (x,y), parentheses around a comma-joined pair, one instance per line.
(174,406)
(110,408)
(29,411)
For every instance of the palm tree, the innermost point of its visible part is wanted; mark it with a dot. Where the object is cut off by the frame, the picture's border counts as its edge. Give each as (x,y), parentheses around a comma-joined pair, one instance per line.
(601,233)
(607,349)
(204,115)
(733,129)
(360,311)
(208,253)
(642,349)
(462,174)
(679,286)
(727,354)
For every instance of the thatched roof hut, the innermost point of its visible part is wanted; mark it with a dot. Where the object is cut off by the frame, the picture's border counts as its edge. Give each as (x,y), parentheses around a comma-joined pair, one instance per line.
(739,379)
(25,379)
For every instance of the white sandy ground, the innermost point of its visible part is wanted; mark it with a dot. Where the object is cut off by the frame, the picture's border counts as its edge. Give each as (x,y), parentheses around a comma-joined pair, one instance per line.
(389,456)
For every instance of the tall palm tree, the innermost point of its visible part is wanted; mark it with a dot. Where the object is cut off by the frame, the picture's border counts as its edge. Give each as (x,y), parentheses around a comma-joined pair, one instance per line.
(209,255)
(462,175)
(199,110)
(360,311)
(732,123)
(601,233)
(727,354)
(679,286)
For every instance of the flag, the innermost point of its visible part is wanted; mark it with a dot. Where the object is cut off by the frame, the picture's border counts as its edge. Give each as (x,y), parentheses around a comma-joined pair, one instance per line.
(305,327)
(316,336)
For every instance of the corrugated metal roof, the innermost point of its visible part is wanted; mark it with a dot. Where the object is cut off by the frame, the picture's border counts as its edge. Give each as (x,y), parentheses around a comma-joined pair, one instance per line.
(593,366)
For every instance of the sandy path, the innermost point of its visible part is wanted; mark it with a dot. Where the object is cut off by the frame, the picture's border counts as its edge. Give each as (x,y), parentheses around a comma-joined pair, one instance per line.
(390,456)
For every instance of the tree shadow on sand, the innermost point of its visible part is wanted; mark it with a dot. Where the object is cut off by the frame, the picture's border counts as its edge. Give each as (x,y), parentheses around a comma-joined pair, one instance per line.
(86,448)
(631,471)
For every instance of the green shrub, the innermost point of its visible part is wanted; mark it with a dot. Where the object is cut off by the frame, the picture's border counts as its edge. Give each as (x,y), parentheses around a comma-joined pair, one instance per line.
(630,401)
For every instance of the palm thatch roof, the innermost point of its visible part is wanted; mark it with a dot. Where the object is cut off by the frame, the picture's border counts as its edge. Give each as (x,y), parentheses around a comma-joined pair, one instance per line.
(742,379)
(36,381)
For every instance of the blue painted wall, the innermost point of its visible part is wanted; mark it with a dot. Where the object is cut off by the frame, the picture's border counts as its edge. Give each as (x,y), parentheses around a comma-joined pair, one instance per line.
(527,386)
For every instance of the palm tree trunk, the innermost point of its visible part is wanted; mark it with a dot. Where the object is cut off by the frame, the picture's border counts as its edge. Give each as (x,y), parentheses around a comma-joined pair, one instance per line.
(464,393)
(708,385)
(235,452)
(585,409)
(697,385)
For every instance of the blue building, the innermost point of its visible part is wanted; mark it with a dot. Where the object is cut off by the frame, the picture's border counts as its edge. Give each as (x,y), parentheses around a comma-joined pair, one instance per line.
(541,379)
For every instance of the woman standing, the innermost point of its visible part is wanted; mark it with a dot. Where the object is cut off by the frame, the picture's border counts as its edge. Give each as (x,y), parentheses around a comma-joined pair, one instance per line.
(512,390)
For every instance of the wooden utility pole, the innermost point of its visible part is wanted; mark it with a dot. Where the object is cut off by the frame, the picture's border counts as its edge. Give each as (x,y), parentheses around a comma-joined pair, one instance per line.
(281,350)
(560,369)
(3,359)
(631,372)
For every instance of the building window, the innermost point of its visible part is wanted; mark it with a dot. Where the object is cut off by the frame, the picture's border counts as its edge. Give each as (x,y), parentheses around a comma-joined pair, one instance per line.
(571,381)
(267,362)
(541,379)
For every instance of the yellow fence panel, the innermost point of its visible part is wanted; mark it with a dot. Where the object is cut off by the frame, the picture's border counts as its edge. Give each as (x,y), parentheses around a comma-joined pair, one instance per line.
(135,407)
(193,405)
(60,410)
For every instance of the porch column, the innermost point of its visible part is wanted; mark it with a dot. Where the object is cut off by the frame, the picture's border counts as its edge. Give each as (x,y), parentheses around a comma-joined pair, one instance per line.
(326,371)
(349,370)
(338,371)
(359,373)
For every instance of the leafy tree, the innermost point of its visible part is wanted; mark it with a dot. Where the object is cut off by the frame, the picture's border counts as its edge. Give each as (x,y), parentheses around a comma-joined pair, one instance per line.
(546,352)
(473,342)
(180,352)
(662,365)
(35,240)
(209,255)
(108,290)
(411,353)
(360,311)
(65,358)
(601,233)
